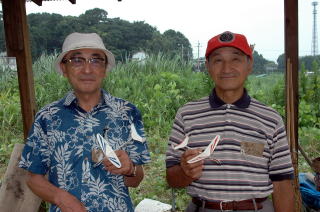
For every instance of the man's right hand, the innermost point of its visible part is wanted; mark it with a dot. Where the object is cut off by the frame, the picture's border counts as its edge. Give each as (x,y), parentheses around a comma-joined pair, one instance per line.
(69,203)
(192,170)
(40,186)
(181,175)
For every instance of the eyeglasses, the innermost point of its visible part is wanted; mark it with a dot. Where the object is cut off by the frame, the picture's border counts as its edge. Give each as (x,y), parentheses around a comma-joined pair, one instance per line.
(80,62)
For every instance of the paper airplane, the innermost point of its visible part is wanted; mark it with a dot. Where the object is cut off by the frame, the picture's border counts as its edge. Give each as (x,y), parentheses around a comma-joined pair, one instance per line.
(135,135)
(108,151)
(207,152)
(183,144)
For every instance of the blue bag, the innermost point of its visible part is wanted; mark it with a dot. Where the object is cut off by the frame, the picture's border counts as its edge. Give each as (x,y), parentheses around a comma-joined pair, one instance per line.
(310,196)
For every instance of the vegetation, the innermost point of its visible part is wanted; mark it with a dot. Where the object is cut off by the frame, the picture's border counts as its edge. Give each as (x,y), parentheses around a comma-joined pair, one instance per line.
(123,38)
(158,86)
(305,61)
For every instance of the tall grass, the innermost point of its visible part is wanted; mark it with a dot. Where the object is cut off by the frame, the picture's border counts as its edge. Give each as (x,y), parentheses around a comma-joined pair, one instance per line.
(158,87)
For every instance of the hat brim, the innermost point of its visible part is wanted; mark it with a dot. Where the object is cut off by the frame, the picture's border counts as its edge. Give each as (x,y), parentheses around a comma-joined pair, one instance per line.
(110,57)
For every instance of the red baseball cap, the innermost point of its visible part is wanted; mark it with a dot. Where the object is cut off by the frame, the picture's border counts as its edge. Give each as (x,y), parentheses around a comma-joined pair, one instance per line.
(230,39)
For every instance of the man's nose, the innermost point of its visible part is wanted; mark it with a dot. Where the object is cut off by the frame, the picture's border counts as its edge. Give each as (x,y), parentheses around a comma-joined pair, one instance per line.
(87,68)
(226,67)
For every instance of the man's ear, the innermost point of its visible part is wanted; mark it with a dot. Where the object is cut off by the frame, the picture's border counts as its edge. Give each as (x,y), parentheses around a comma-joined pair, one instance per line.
(207,64)
(250,65)
(63,69)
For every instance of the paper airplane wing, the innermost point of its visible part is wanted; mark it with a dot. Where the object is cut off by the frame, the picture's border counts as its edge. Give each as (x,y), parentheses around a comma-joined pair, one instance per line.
(207,152)
(108,151)
(183,144)
(135,135)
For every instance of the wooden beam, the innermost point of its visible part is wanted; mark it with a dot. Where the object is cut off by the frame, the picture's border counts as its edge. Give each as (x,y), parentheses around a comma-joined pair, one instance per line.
(17,44)
(38,2)
(292,103)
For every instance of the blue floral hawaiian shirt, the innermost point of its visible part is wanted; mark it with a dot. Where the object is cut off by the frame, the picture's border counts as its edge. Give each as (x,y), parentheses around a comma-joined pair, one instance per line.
(63,138)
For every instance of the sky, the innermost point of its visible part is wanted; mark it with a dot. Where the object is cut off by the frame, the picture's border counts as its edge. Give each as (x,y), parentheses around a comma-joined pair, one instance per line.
(261,21)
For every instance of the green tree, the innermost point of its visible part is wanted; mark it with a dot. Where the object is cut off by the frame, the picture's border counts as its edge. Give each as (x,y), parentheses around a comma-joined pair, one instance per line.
(47,32)
(281,62)
(309,60)
(177,44)
(259,63)
(93,17)
(44,35)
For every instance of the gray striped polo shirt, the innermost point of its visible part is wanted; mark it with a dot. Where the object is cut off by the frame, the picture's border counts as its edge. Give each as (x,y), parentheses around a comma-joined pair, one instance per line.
(253,149)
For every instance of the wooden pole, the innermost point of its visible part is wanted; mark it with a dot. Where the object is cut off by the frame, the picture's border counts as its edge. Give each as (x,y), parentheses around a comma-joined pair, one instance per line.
(292,103)
(17,44)
(293,141)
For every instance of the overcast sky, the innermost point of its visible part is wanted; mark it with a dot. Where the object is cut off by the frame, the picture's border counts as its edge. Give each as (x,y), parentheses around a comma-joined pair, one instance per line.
(262,21)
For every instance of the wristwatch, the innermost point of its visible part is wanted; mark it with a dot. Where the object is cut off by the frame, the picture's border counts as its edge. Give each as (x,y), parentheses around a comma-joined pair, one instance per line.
(134,173)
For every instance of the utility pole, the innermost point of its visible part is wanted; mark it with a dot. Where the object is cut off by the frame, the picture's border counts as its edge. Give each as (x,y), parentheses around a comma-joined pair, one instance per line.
(198,63)
(314,47)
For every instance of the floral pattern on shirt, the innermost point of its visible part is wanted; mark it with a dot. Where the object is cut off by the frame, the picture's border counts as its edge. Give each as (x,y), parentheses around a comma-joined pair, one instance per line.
(61,141)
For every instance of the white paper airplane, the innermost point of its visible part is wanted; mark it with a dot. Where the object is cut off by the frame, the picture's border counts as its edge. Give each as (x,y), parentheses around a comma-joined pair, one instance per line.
(135,135)
(183,144)
(207,152)
(108,151)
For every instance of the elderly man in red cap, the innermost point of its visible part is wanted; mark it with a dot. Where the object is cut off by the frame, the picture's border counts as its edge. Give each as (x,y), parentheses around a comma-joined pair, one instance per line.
(250,161)
(90,144)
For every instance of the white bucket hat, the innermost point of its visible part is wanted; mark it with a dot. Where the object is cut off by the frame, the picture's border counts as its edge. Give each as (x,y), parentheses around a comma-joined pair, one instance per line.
(84,41)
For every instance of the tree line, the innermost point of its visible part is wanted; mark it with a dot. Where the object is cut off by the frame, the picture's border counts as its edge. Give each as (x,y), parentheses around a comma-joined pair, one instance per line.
(123,38)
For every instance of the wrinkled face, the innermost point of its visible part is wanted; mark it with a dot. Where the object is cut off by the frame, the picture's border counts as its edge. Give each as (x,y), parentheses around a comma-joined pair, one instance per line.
(85,70)
(229,68)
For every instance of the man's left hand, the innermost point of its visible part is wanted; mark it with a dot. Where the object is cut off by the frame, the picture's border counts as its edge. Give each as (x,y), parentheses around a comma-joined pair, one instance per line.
(126,164)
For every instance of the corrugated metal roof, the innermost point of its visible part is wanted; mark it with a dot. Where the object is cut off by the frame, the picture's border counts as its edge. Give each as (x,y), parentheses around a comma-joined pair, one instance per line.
(47,0)
(39,2)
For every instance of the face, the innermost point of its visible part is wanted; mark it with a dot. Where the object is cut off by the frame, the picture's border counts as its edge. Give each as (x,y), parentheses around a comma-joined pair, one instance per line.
(229,68)
(84,76)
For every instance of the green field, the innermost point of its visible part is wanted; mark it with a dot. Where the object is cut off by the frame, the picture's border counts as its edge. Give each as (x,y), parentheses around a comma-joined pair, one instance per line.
(158,87)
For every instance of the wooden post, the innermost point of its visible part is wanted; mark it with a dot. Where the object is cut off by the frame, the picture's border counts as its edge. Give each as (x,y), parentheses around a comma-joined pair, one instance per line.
(17,43)
(292,103)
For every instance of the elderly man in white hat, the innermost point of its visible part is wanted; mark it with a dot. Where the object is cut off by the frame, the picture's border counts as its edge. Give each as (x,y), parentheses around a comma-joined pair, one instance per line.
(90,144)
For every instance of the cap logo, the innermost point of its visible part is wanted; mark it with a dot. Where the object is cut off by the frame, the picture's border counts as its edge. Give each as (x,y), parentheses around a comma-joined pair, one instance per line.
(226,37)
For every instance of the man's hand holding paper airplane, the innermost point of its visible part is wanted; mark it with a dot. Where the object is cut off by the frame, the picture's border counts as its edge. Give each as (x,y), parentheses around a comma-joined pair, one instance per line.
(126,164)
(191,170)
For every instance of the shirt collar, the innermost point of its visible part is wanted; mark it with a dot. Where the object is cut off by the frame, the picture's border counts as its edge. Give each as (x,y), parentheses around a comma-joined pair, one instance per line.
(216,102)
(72,99)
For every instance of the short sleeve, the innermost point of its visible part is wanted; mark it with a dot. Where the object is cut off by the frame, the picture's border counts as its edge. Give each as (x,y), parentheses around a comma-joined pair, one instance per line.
(35,155)
(280,165)
(177,136)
